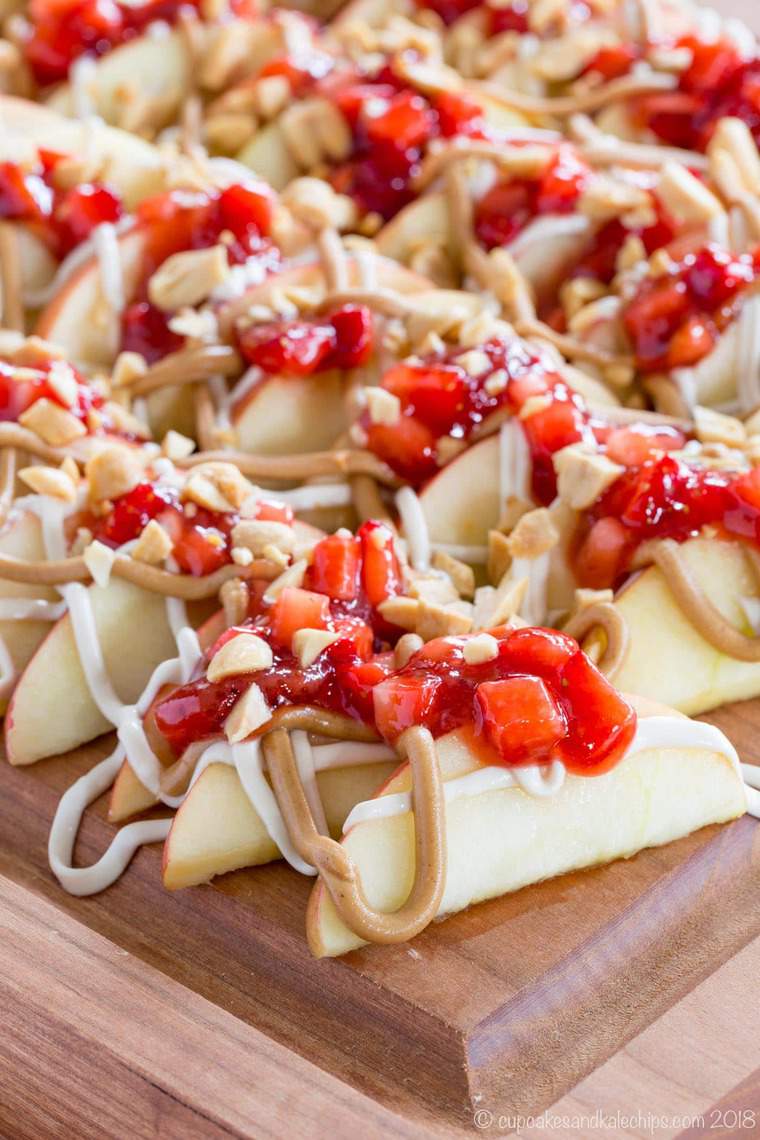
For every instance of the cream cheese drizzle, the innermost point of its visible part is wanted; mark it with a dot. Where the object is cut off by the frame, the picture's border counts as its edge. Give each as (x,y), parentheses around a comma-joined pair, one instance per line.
(651,732)
(415,527)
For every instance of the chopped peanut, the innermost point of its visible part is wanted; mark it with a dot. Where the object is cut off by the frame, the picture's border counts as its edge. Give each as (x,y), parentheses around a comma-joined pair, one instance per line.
(176,446)
(406,647)
(309,643)
(154,544)
(315,203)
(685,196)
(434,589)
(99,560)
(50,481)
(128,367)
(62,380)
(216,486)
(188,278)
(52,423)
(292,576)
(244,653)
(714,427)
(434,620)
(112,472)
(534,534)
(460,573)
(401,611)
(583,476)
(249,713)
(256,535)
(499,556)
(234,598)
(481,648)
(383,407)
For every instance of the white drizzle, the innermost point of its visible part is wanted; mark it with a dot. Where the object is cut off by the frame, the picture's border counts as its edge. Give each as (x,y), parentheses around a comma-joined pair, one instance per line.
(415,527)
(514,462)
(651,732)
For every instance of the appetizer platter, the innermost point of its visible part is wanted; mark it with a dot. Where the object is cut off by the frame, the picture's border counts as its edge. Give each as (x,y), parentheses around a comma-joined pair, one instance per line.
(380,509)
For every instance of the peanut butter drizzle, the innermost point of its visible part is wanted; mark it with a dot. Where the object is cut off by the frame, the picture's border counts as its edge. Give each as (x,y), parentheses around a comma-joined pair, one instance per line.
(11,285)
(188,366)
(708,621)
(319,722)
(568,346)
(15,436)
(385,301)
(289,468)
(605,617)
(205,416)
(8,465)
(335,866)
(613,92)
(152,578)
(367,500)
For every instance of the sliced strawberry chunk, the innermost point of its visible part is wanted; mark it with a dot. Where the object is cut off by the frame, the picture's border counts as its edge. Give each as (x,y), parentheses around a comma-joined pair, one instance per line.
(381,570)
(298,609)
(335,567)
(541,651)
(521,718)
(401,701)
(353,337)
(604,722)
(80,210)
(603,554)
(292,348)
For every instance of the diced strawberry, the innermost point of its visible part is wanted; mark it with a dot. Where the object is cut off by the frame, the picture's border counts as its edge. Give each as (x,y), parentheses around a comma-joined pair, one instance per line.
(521,718)
(201,550)
(406,122)
(402,701)
(503,211)
(25,197)
(604,722)
(541,651)
(246,207)
(612,61)
(381,570)
(335,567)
(693,340)
(407,446)
(288,348)
(353,337)
(561,183)
(269,511)
(603,553)
(458,114)
(434,394)
(80,210)
(298,609)
(634,444)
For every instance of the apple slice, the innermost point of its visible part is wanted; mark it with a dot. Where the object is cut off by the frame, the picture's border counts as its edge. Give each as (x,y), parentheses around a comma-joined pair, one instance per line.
(268,156)
(426,220)
(504,839)
(463,501)
(217,829)
(135,167)
(21,537)
(52,710)
(668,660)
(287,414)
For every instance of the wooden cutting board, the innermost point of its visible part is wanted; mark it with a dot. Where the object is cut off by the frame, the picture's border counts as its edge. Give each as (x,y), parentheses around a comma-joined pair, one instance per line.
(508,1005)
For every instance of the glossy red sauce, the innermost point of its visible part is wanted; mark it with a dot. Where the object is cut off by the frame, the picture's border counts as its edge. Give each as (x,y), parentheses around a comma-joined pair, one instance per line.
(240,216)
(201,538)
(363,570)
(340,340)
(676,319)
(20,387)
(512,203)
(392,125)
(60,218)
(63,30)
(718,83)
(540,699)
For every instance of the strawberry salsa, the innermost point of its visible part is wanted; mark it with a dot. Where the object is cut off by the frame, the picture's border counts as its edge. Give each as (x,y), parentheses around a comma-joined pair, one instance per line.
(539,699)
(60,31)
(238,216)
(201,537)
(60,218)
(676,319)
(659,494)
(347,580)
(59,382)
(342,340)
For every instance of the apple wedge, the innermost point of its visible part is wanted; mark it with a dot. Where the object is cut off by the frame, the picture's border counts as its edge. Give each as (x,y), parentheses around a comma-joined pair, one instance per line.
(51,710)
(134,167)
(21,537)
(503,839)
(426,220)
(463,501)
(668,660)
(288,415)
(217,829)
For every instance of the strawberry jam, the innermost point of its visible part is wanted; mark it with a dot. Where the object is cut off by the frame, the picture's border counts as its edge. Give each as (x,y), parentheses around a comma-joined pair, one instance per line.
(676,319)
(718,83)
(201,537)
(54,380)
(238,216)
(511,204)
(60,218)
(63,30)
(391,126)
(303,347)
(539,699)
(363,571)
